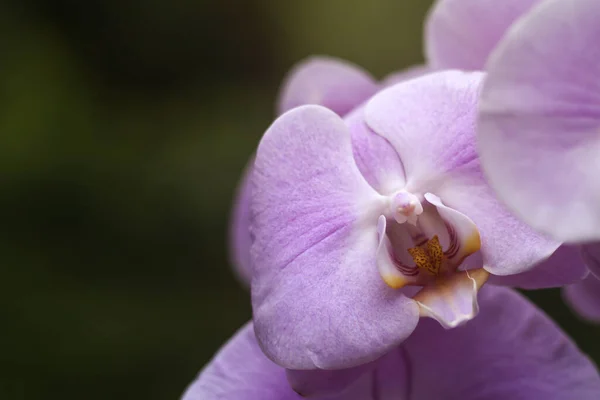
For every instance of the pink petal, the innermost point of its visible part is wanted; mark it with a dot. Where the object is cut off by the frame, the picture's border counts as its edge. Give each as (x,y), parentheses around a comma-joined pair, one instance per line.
(317,296)
(462,33)
(333,83)
(539,128)
(511,350)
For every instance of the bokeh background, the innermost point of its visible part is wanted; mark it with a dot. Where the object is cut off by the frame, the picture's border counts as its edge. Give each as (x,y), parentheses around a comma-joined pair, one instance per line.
(124,127)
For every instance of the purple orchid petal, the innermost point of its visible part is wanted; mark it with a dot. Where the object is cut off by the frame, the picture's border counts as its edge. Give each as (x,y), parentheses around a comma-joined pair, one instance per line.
(584,298)
(539,135)
(404,75)
(317,296)
(430,121)
(333,83)
(510,351)
(239,232)
(462,33)
(564,267)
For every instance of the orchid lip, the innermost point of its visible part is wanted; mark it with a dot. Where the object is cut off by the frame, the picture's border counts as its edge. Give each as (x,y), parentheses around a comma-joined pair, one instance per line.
(430,245)
(428,252)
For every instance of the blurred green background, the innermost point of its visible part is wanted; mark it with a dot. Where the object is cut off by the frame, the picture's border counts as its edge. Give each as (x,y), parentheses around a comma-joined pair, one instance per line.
(125,126)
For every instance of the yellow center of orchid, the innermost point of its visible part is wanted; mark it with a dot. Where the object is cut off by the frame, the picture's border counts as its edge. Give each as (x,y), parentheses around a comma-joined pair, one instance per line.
(428,256)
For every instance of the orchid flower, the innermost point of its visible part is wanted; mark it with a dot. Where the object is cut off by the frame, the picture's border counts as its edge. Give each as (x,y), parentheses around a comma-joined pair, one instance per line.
(458,34)
(511,351)
(361,225)
(539,130)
